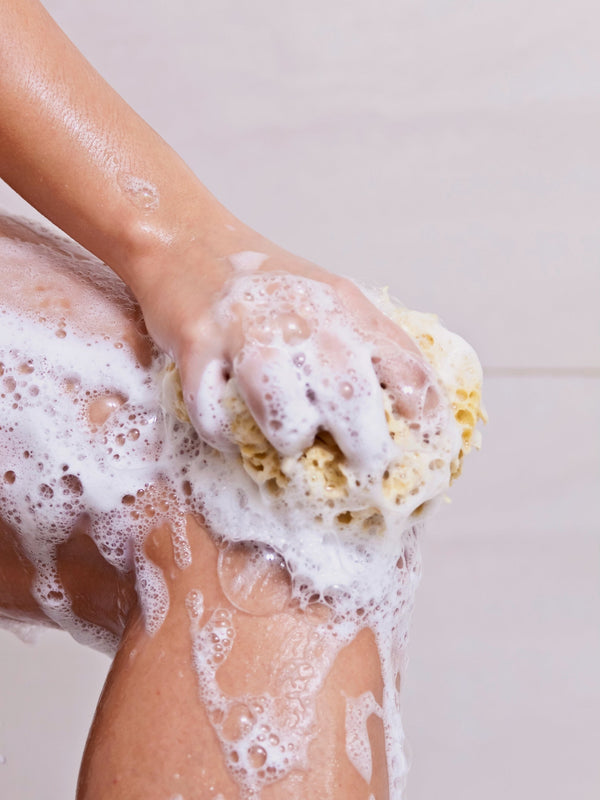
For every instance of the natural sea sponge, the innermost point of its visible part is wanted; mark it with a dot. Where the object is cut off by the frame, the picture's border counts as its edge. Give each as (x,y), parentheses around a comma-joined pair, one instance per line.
(321,472)
(458,370)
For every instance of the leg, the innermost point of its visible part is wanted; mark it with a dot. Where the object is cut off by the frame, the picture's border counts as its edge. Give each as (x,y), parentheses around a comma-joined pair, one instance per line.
(175,705)
(156,735)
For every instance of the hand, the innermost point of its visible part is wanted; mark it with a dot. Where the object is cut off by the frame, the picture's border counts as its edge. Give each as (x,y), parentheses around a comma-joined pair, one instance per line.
(306,349)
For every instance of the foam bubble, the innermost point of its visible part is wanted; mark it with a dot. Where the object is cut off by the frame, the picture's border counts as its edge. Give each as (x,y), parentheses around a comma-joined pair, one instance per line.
(247,260)
(140,192)
(254,578)
(93,429)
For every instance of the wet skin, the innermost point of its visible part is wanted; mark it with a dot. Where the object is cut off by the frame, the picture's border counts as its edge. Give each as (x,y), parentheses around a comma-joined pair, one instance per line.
(151,735)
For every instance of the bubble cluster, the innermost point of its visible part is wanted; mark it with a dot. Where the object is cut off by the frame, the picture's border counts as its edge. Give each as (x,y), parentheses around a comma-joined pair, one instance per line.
(94,437)
(262,736)
(141,193)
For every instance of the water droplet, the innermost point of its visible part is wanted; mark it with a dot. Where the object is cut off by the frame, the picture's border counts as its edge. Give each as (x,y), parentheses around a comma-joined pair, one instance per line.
(346,390)
(238,722)
(295,328)
(257,756)
(140,193)
(254,578)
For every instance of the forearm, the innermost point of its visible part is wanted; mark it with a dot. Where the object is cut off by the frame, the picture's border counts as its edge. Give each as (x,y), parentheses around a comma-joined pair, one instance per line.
(76,151)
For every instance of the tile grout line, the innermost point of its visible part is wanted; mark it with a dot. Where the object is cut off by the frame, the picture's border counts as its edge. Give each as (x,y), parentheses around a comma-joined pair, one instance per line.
(542,372)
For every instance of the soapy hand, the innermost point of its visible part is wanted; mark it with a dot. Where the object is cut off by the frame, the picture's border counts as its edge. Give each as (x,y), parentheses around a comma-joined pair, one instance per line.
(306,349)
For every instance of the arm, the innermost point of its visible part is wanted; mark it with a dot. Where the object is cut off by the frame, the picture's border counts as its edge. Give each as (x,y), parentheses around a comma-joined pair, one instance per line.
(74,149)
(77,152)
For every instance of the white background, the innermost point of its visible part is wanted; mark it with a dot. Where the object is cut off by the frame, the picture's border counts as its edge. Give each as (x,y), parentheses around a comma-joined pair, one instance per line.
(450,151)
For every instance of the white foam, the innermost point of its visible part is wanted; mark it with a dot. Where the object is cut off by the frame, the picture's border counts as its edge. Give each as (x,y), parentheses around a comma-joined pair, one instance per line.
(247,260)
(358,746)
(300,365)
(61,368)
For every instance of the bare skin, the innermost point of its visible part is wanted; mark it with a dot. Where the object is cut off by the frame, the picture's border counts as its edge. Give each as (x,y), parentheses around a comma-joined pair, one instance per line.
(155,732)
(151,736)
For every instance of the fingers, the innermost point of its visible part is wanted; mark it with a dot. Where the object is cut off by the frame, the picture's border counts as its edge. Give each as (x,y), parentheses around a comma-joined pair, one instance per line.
(369,319)
(413,388)
(207,408)
(407,378)
(276,386)
(331,385)
(306,356)
(398,362)
(350,402)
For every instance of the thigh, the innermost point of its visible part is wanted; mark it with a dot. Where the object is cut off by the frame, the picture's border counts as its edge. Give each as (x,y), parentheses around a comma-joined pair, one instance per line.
(58,306)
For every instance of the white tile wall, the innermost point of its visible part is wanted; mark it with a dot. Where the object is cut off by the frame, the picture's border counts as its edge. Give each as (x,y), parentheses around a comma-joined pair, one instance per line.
(48,693)
(450,151)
